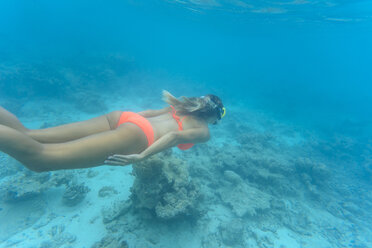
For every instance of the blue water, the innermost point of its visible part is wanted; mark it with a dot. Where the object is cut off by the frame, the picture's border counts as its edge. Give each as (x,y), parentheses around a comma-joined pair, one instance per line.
(303,64)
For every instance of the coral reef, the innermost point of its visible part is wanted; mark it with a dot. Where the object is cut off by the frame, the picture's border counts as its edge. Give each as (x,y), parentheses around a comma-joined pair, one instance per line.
(92,173)
(8,166)
(19,216)
(267,180)
(58,237)
(110,242)
(76,83)
(162,186)
(89,102)
(232,233)
(107,191)
(317,171)
(244,199)
(61,77)
(115,210)
(74,194)
(259,190)
(26,184)
(163,199)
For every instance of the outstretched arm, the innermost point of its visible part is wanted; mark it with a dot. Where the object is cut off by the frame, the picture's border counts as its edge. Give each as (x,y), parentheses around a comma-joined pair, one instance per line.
(195,135)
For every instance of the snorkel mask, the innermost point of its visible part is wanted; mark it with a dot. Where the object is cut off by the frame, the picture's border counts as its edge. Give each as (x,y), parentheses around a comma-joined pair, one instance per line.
(216,104)
(221,111)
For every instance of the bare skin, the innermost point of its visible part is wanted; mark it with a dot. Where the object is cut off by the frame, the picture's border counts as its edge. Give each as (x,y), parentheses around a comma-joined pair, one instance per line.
(90,143)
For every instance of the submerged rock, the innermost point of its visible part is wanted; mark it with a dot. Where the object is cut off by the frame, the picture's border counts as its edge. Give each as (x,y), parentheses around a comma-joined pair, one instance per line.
(245,200)
(232,177)
(232,233)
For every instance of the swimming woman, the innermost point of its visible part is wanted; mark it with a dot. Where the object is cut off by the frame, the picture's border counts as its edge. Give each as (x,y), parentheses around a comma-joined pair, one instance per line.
(117,138)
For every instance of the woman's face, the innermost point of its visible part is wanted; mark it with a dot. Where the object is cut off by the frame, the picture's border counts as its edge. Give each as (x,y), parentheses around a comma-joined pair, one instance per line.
(213,119)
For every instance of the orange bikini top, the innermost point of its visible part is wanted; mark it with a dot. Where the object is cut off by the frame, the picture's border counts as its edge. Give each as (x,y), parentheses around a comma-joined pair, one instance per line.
(180,128)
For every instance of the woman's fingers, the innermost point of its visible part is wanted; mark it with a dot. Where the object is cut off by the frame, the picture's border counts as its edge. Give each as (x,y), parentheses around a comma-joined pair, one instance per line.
(112,162)
(118,159)
(119,156)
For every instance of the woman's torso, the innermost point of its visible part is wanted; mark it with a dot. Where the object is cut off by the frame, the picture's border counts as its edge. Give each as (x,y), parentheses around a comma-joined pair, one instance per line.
(165,123)
(162,124)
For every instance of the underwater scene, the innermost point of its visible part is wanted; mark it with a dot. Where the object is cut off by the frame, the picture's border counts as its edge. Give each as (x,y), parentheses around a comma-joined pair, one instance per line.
(289,163)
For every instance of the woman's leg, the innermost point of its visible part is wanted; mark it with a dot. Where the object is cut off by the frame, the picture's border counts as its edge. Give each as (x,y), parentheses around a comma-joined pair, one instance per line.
(10,120)
(86,152)
(65,132)
(76,130)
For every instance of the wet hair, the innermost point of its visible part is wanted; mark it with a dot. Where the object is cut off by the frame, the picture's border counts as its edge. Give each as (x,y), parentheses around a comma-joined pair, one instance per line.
(203,107)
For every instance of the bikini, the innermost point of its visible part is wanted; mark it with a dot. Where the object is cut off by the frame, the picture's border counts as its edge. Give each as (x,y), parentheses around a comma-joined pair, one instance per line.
(141,122)
(146,127)
(184,146)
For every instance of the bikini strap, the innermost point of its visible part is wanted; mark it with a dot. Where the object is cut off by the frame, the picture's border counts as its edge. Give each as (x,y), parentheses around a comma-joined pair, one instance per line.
(179,122)
(177,118)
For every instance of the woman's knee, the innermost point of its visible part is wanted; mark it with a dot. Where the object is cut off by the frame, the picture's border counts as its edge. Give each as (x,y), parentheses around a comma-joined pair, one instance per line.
(36,168)
(37,165)
(38,160)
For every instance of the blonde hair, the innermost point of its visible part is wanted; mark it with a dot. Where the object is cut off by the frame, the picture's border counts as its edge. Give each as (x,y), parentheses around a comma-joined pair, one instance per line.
(196,106)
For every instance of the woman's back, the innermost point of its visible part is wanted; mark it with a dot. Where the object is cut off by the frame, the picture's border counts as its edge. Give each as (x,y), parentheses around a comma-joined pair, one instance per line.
(165,123)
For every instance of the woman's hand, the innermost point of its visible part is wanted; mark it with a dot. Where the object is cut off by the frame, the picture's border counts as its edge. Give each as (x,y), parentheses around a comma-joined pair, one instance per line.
(118,159)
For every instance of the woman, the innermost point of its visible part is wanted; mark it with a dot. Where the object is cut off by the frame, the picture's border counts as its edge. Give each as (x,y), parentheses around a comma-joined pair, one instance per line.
(94,142)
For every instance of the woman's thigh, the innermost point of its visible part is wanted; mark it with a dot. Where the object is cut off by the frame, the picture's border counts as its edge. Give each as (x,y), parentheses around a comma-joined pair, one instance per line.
(76,130)
(93,150)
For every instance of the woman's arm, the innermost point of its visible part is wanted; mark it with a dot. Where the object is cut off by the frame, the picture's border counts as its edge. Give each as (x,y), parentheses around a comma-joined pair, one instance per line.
(194,135)
(152,113)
